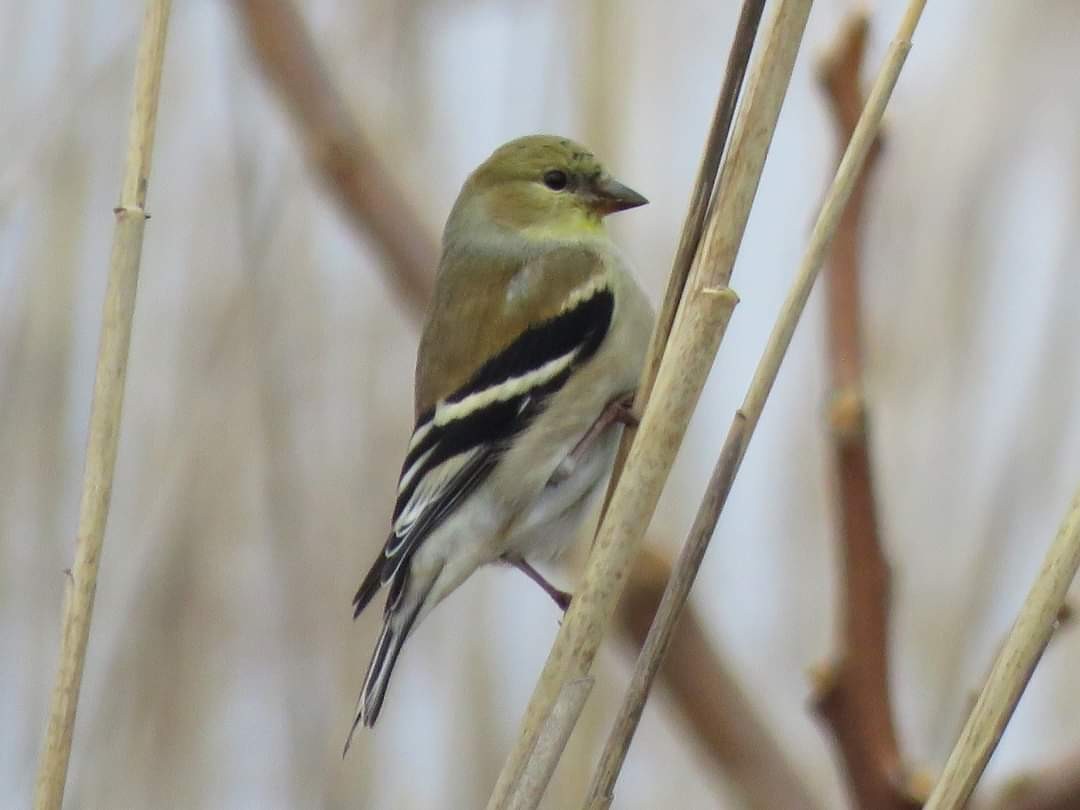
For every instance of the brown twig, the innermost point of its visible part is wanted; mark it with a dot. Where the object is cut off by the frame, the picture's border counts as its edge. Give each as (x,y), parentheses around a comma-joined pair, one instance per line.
(337,148)
(704,691)
(853,695)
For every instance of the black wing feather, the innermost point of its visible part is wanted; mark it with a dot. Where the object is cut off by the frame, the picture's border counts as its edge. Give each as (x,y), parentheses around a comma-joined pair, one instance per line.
(486,431)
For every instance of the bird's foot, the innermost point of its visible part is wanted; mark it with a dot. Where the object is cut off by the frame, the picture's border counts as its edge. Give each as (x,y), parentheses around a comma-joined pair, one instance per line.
(621,410)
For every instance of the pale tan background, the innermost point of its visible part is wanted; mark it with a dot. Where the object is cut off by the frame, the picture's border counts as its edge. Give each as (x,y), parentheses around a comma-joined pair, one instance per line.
(270,388)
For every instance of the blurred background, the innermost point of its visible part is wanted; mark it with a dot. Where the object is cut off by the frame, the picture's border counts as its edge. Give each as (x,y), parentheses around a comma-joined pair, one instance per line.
(270,388)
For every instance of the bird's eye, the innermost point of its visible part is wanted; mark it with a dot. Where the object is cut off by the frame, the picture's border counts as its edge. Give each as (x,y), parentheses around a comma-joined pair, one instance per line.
(555,180)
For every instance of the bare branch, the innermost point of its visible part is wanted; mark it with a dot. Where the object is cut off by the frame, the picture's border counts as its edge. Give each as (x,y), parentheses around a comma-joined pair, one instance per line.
(853,695)
(337,148)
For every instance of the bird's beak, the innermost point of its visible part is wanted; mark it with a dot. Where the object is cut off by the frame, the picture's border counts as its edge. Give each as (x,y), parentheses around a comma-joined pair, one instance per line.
(609,196)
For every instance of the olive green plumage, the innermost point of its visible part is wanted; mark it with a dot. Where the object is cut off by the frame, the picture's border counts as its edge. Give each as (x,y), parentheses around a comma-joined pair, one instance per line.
(484,324)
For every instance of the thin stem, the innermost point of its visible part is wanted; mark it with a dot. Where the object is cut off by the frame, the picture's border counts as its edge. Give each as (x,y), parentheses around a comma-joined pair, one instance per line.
(105,412)
(712,702)
(1012,668)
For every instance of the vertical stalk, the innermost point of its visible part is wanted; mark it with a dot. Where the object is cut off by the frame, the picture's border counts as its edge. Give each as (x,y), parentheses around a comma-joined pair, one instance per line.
(1012,668)
(105,410)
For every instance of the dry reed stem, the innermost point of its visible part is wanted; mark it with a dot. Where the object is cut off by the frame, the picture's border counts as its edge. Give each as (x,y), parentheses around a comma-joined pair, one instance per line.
(658,641)
(694,225)
(105,413)
(852,695)
(752,136)
(1013,667)
(703,688)
(831,209)
(1054,787)
(746,418)
(703,316)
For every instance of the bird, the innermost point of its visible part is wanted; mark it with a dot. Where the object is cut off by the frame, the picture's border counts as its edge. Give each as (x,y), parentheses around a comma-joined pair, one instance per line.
(531,350)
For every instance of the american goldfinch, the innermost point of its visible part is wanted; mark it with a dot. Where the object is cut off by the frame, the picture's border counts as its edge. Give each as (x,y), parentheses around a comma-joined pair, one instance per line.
(534,339)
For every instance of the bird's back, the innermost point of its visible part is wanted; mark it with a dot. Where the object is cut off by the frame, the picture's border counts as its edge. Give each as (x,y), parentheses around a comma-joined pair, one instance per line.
(520,289)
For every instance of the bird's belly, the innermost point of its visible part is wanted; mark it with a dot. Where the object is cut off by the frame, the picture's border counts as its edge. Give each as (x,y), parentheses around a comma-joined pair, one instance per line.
(553,521)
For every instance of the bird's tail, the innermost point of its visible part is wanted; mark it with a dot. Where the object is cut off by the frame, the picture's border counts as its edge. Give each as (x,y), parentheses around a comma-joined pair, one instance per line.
(395,630)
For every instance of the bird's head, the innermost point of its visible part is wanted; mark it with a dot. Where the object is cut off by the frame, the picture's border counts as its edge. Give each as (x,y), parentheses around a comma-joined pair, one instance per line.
(542,187)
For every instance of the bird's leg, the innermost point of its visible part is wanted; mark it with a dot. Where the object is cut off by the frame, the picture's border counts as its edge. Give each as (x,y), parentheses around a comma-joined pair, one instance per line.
(618,411)
(561,598)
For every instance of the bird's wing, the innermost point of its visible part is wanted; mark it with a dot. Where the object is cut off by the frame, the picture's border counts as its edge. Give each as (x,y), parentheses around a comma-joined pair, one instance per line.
(459,439)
